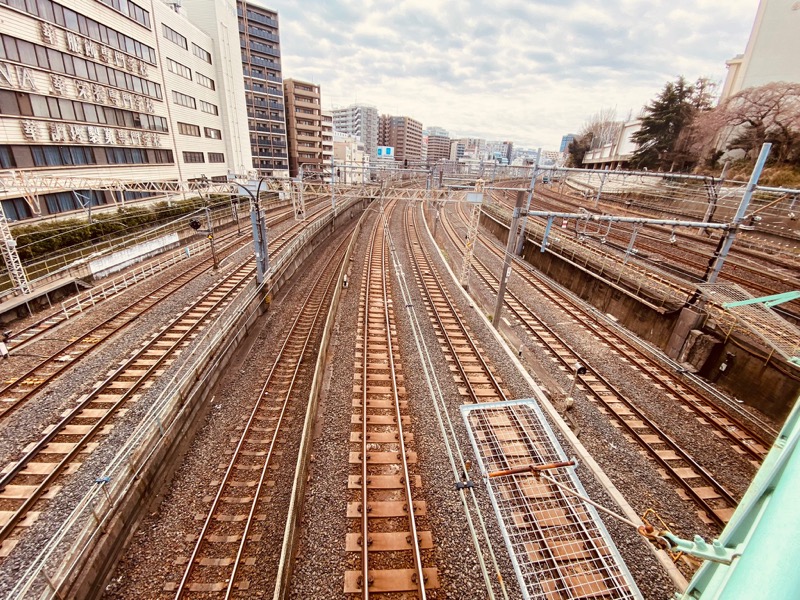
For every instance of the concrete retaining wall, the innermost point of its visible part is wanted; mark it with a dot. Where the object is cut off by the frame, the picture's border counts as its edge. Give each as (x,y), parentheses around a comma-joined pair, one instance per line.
(765,382)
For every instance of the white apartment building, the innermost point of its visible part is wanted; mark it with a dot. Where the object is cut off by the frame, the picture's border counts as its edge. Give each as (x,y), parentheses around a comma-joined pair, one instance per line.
(360,120)
(119,90)
(348,152)
(772,51)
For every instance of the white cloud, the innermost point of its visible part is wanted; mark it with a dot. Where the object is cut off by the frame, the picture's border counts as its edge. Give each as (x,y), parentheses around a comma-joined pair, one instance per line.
(526,70)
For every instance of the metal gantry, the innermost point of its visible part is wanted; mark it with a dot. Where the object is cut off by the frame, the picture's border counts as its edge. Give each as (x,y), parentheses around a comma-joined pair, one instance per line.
(475,199)
(8,246)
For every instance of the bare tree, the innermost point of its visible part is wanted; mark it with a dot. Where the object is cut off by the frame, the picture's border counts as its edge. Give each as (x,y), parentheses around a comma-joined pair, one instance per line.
(768,113)
(602,127)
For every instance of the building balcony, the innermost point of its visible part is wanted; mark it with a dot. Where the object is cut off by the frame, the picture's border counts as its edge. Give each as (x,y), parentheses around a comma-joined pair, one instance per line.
(303,90)
(306,129)
(302,136)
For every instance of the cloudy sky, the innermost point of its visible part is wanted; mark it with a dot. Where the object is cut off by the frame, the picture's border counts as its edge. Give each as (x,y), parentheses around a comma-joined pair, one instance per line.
(525,70)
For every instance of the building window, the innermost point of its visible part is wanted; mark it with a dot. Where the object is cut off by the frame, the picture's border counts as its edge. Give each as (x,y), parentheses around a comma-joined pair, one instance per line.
(183,99)
(58,156)
(188,129)
(193,157)
(200,53)
(205,81)
(53,12)
(16,209)
(179,69)
(138,156)
(216,157)
(209,108)
(66,201)
(214,134)
(6,158)
(174,37)
(32,105)
(131,10)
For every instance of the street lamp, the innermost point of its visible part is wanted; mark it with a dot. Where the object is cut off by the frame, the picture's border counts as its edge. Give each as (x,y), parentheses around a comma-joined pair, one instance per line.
(209,230)
(259,231)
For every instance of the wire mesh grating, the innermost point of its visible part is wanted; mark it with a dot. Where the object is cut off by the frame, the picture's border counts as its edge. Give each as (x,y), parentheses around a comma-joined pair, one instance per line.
(559,546)
(755,319)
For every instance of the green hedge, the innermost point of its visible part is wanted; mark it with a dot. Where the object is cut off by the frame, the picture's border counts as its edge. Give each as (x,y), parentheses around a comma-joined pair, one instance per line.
(37,241)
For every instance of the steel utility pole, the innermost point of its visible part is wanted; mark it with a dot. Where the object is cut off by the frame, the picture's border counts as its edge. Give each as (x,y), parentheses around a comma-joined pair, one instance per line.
(521,241)
(730,234)
(259,233)
(512,230)
(333,188)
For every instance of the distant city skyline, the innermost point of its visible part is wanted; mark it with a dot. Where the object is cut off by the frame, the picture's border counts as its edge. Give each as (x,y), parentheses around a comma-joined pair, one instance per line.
(527,71)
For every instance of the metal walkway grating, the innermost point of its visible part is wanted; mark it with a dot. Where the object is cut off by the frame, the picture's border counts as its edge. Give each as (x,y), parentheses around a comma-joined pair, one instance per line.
(756,319)
(558,544)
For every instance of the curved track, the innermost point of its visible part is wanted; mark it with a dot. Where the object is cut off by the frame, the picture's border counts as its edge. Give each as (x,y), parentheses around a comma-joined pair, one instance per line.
(32,478)
(38,377)
(227,544)
(764,277)
(716,502)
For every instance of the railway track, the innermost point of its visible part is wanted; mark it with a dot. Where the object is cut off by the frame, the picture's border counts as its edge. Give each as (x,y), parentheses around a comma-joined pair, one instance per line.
(36,330)
(18,391)
(227,546)
(758,278)
(476,380)
(384,506)
(24,387)
(565,548)
(695,482)
(30,481)
(744,438)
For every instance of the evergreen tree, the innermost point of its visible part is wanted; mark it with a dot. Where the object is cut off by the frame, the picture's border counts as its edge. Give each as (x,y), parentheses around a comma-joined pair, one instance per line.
(577,149)
(664,119)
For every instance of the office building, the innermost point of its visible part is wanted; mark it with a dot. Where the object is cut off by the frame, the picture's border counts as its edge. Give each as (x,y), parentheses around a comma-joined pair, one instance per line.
(134,93)
(263,82)
(360,120)
(303,127)
(457,149)
(566,141)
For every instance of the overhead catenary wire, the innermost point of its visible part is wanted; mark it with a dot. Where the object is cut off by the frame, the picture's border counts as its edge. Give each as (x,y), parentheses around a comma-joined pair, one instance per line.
(453,449)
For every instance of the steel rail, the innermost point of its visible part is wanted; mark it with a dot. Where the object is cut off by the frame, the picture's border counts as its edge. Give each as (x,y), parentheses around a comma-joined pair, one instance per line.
(452,311)
(524,314)
(233,282)
(314,301)
(40,488)
(729,426)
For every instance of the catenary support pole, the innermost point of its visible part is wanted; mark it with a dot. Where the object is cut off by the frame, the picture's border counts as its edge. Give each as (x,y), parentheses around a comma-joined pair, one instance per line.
(210,235)
(730,234)
(521,240)
(512,230)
